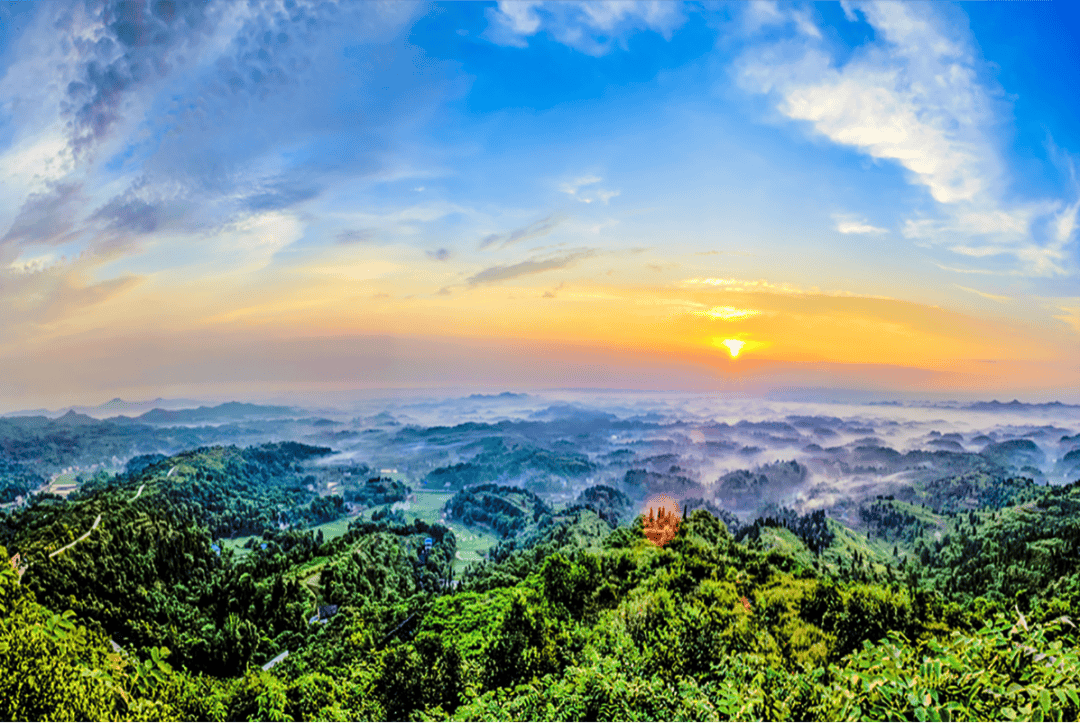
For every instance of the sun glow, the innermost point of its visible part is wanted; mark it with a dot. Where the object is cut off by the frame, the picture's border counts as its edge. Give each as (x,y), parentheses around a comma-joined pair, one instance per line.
(734,346)
(662,521)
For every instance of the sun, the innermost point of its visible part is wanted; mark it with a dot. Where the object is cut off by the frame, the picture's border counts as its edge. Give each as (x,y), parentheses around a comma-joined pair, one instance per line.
(734,346)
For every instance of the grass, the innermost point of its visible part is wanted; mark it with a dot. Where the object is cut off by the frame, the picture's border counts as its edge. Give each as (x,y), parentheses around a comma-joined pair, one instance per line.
(236,544)
(332,530)
(63,485)
(428,506)
(787,542)
(471,541)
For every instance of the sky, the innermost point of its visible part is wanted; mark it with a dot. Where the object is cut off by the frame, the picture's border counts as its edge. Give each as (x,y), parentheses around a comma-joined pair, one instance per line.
(238,199)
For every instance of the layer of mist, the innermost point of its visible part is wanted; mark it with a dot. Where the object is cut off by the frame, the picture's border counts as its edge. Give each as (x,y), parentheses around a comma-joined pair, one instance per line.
(745,456)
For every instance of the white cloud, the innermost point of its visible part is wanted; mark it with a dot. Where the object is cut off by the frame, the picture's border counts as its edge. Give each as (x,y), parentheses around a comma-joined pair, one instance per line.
(512,22)
(575,185)
(1070,315)
(916,96)
(847,224)
(978,252)
(761,14)
(1065,223)
(592,27)
(805,24)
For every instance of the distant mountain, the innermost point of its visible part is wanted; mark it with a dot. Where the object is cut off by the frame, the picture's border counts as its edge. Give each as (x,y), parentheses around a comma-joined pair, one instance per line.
(227,412)
(111,408)
(1016,452)
(1017,406)
(72,417)
(30,413)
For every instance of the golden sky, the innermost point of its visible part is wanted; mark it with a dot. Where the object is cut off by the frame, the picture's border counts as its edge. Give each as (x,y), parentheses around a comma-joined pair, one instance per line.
(536,195)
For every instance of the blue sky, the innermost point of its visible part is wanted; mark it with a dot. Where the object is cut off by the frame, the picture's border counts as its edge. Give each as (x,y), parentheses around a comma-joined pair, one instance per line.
(877,194)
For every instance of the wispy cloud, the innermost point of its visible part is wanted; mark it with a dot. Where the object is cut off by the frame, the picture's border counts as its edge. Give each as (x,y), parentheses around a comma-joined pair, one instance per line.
(848,224)
(916,96)
(727,313)
(768,287)
(572,187)
(576,189)
(984,294)
(37,295)
(535,229)
(139,118)
(594,27)
(1070,314)
(45,219)
(528,268)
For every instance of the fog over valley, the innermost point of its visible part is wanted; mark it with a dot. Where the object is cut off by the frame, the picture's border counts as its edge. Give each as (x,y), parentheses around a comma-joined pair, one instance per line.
(749,457)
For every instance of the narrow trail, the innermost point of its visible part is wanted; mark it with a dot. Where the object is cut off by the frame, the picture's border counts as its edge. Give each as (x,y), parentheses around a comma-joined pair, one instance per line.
(170,474)
(141,488)
(274,661)
(78,539)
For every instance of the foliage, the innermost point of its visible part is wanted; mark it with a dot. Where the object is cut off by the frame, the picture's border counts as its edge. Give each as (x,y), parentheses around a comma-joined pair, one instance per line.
(506,510)
(377,491)
(524,464)
(567,619)
(17,479)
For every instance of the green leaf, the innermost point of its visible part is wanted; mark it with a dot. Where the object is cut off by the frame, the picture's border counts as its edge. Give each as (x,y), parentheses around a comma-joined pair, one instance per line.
(1044,701)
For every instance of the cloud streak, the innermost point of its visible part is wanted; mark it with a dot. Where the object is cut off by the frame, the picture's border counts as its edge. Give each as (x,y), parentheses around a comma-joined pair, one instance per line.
(535,229)
(45,218)
(531,267)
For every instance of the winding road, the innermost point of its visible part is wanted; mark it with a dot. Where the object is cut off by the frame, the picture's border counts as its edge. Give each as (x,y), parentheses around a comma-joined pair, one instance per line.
(96,523)
(78,539)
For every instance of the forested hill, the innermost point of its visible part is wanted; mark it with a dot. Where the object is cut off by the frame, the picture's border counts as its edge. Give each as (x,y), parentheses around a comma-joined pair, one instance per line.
(911,612)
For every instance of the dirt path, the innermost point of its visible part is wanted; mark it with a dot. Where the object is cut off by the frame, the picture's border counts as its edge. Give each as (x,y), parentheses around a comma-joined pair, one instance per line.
(170,474)
(141,488)
(78,539)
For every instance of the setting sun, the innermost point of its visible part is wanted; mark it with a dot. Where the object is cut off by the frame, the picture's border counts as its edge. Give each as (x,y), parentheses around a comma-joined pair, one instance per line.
(734,346)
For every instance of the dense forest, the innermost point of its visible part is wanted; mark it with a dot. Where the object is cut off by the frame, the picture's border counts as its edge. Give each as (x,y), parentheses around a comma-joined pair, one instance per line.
(130,600)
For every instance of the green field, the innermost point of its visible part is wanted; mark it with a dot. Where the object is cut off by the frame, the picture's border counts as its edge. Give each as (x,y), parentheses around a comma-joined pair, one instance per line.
(428,506)
(236,544)
(63,485)
(471,541)
(332,530)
